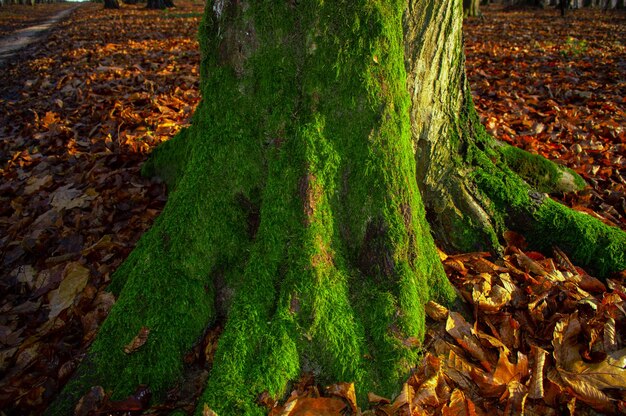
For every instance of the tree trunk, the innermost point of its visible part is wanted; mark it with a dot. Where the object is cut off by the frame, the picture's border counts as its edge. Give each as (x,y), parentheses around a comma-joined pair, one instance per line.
(111,4)
(295,214)
(159,4)
(471,8)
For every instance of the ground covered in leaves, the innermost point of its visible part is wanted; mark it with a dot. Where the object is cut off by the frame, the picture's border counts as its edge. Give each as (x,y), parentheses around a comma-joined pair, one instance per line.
(19,16)
(79,114)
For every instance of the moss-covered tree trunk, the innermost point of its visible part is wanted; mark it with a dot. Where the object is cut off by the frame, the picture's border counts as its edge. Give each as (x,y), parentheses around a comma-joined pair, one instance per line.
(295,213)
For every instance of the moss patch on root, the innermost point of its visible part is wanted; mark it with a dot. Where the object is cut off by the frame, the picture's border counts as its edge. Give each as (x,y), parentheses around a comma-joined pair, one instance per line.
(541,173)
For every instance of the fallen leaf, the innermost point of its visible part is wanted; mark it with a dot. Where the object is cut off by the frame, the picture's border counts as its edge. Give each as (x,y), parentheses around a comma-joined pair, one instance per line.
(538,356)
(320,406)
(207,411)
(436,311)
(67,197)
(75,277)
(139,340)
(461,331)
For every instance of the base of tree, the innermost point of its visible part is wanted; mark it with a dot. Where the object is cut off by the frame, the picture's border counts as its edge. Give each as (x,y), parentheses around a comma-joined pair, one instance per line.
(294,214)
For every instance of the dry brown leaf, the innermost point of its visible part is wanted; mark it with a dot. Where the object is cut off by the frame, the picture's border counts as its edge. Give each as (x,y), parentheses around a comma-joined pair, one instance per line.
(458,405)
(75,277)
(139,340)
(405,398)
(376,399)
(35,183)
(207,411)
(490,298)
(436,311)
(587,380)
(320,406)
(507,372)
(345,391)
(515,396)
(610,336)
(104,243)
(538,355)
(426,393)
(460,371)
(461,331)
(67,197)
(529,264)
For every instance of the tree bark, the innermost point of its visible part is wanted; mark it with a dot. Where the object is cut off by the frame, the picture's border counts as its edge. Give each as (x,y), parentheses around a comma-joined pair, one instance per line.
(159,4)
(471,8)
(295,212)
(111,4)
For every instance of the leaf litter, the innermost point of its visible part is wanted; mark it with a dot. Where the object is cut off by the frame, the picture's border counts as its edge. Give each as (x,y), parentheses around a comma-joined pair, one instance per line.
(78,115)
(539,335)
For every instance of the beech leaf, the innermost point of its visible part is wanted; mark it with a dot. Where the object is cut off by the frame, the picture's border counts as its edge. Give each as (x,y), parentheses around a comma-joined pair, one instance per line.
(139,340)
(75,278)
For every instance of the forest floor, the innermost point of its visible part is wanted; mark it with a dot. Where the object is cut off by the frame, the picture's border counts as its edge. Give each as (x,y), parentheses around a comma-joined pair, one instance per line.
(15,41)
(15,17)
(80,112)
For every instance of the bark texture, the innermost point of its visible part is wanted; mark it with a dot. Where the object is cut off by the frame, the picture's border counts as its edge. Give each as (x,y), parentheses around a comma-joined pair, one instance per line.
(294,213)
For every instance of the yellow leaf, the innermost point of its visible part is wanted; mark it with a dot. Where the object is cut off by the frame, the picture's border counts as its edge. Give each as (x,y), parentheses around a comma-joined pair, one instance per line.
(207,411)
(536,380)
(436,311)
(461,331)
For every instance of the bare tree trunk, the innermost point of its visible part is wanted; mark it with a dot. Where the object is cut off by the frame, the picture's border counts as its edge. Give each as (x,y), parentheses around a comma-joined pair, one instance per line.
(111,4)
(160,4)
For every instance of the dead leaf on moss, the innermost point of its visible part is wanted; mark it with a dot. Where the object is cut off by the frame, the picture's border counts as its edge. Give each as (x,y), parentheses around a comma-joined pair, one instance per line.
(207,411)
(139,340)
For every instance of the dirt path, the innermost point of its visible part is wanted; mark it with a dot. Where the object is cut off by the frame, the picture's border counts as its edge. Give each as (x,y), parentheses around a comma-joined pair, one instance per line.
(21,38)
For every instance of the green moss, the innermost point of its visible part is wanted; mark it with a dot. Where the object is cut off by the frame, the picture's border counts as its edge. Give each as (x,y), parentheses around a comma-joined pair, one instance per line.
(344,157)
(545,223)
(509,179)
(588,242)
(470,237)
(539,172)
(168,160)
